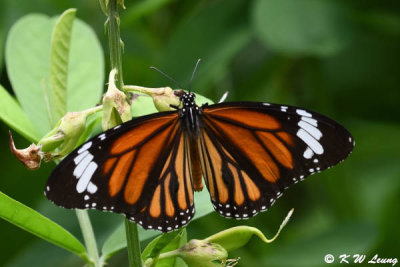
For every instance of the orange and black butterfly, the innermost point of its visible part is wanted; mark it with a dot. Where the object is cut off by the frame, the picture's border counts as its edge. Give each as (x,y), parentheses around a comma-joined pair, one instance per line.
(247,152)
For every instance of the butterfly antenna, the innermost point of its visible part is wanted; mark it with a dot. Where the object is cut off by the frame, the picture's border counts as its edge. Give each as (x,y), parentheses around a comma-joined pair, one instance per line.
(167,76)
(194,71)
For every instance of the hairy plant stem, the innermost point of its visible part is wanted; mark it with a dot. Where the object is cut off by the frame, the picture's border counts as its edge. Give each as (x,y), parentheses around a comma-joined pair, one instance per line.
(115,43)
(89,238)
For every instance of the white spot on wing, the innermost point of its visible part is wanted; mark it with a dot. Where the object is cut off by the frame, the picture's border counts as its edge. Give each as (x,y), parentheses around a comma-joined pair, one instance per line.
(310,141)
(310,121)
(102,136)
(308,153)
(310,129)
(86,176)
(92,188)
(78,171)
(85,147)
(303,113)
(78,158)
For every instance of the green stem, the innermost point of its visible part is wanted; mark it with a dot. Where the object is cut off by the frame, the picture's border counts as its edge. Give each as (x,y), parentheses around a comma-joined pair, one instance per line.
(132,239)
(115,43)
(88,236)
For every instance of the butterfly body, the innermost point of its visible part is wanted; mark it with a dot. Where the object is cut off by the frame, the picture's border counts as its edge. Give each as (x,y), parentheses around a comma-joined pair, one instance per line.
(247,152)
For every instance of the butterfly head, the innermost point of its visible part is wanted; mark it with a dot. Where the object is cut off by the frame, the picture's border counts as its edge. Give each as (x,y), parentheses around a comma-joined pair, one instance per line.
(188,100)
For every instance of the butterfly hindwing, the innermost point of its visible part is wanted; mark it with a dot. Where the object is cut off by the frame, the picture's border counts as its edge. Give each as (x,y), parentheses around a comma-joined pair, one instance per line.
(253,151)
(138,168)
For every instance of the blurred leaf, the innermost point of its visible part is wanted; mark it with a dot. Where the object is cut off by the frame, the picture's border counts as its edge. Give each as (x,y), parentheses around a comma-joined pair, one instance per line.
(215,34)
(35,223)
(386,22)
(374,171)
(59,58)
(310,251)
(308,27)
(28,65)
(2,40)
(117,240)
(12,114)
(143,8)
(85,68)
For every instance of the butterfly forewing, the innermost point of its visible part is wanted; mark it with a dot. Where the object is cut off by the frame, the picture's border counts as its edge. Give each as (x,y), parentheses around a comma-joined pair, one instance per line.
(138,168)
(253,151)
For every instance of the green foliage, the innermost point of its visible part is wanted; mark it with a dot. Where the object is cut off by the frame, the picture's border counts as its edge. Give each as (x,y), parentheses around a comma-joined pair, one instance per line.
(162,244)
(31,221)
(12,114)
(59,58)
(29,65)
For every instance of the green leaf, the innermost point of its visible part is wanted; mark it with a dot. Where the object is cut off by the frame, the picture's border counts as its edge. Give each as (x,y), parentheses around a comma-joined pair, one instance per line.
(85,69)
(28,65)
(59,57)
(164,243)
(12,114)
(236,237)
(308,27)
(35,223)
(179,239)
(117,239)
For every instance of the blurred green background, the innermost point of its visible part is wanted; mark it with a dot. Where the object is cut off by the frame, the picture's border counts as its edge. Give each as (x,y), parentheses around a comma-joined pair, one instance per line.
(340,58)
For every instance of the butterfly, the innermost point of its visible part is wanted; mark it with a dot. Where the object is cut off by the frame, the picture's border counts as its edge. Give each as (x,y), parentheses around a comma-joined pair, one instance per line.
(149,168)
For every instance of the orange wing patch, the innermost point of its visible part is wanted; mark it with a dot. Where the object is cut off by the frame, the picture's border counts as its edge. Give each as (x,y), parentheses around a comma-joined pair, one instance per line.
(259,156)
(252,190)
(132,138)
(286,137)
(277,149)
(155,207)
(214,170)
(169,205)
(108,165)
(120,172)
(247,117)
(239,196)
(145,161)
